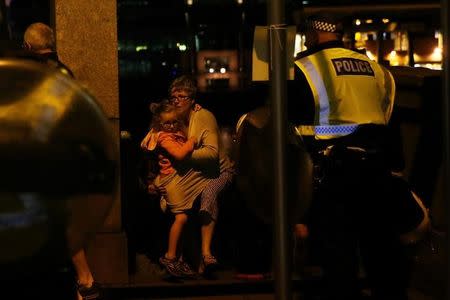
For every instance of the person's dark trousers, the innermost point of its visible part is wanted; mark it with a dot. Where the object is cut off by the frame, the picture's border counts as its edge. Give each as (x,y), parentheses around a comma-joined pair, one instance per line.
(254,244)
(49,286)
(351,222)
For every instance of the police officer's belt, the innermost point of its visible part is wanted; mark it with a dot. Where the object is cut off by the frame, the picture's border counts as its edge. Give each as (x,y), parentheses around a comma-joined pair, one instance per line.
(342,129)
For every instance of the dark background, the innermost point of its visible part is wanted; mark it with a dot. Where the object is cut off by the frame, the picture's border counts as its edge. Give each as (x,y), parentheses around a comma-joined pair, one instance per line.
(206,24)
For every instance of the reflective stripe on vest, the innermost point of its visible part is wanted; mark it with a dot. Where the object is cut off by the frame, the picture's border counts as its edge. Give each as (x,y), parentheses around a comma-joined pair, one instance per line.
(319,91)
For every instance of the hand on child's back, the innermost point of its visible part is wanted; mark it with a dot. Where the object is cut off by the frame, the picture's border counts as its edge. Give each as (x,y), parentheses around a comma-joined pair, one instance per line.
(193,141)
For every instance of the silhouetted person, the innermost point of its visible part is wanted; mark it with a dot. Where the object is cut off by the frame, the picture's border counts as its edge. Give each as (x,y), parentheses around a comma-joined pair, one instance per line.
(39,41)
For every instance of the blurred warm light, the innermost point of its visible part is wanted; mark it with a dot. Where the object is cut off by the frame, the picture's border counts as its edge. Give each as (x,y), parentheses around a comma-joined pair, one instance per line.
(397,58)
(437,34)
(141,48)
(437,54)
(384,20)
(182,47)
(189,2)
(432,66)
(211,70)
(401,40)
(369,21)
(360,40)
(393,58)
(370,55)
(440,38)
(391,26)
(223,70)
(299,44)
(240,1)
(358,22)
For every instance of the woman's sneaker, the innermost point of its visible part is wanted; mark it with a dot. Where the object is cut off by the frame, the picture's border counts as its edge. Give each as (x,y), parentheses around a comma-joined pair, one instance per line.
(208,265)
(186,270)
(172,266)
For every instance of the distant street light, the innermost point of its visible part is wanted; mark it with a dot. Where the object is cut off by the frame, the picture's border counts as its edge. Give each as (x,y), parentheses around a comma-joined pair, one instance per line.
(182,47)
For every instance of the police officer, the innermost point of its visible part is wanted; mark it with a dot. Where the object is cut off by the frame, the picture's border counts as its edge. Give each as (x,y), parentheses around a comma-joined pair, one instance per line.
(347,101)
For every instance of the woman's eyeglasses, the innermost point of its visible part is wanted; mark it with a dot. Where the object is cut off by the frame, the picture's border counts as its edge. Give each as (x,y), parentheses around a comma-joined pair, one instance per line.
(174,99)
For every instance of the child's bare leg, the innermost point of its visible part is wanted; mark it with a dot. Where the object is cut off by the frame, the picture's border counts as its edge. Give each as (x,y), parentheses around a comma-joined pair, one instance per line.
(174,235)
(207,235)
(82,268)
(208,260)
(85,279)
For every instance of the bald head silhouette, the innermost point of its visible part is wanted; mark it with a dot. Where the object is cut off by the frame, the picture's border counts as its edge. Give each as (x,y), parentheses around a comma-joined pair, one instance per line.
(39,38)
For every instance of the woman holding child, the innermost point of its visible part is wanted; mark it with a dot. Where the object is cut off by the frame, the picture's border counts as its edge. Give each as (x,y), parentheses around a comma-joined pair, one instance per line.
(204,171)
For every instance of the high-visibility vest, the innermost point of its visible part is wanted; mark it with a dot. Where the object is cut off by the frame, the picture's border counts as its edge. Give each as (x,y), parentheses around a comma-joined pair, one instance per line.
(348,88)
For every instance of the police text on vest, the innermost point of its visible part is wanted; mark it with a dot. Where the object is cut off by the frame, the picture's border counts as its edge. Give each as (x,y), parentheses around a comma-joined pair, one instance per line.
(352,66)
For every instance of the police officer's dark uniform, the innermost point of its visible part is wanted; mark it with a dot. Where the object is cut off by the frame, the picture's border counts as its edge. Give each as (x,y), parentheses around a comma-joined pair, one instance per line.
(347,102)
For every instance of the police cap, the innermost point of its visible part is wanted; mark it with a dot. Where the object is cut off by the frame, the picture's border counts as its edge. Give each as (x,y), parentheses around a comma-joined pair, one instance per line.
(325,22)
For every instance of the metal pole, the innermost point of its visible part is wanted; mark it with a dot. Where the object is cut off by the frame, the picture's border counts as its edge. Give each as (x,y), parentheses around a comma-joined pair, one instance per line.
(191,40)
(4,35)
(446,117)
(52,15)
(380,46)
(278,86)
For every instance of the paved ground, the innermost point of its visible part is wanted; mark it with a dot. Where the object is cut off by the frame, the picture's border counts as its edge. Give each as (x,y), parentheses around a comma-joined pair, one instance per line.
(149,282)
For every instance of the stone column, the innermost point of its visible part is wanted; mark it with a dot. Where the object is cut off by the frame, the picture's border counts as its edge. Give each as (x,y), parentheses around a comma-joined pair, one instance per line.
(86,41)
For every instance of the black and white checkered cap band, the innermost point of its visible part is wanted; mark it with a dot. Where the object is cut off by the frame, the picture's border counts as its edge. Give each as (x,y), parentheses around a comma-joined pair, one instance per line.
(342,129)
(322,26)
